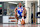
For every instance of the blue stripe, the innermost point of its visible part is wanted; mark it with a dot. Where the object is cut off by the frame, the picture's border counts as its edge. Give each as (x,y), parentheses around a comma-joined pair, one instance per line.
(19,11)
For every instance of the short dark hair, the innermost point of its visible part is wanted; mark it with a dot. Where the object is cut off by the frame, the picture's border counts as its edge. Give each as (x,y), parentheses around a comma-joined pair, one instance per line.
(19,2)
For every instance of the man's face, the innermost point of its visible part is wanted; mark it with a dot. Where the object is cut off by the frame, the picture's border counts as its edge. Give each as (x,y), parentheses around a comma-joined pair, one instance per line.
(20,4)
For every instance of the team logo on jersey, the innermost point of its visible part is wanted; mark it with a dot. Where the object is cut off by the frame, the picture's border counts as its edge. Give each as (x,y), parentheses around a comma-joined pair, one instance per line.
(20,10)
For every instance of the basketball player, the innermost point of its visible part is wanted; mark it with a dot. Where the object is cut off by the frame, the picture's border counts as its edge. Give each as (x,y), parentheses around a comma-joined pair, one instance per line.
(20,12)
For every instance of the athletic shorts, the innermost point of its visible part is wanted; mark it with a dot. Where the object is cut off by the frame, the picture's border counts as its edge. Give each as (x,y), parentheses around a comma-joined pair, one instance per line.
(21,17)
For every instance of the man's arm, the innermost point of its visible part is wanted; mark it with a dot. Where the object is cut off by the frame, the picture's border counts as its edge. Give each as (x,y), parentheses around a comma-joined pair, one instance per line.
(16,13)
(24,12)
(24,9)
(15,10)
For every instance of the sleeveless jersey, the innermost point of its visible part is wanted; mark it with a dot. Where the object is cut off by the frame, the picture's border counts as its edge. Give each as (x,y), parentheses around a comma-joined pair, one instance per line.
(19,11)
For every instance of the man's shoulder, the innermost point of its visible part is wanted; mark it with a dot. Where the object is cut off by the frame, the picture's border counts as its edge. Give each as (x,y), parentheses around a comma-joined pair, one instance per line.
(16,8)
(23,7)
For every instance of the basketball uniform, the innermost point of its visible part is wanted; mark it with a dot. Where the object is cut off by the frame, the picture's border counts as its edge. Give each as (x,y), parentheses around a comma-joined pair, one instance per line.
(19,12)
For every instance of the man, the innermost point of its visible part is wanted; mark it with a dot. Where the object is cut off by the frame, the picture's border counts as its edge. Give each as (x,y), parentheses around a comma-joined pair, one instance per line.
(20,12)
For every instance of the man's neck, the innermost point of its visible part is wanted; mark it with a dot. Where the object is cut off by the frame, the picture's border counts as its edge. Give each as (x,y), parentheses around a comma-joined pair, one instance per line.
(19,6)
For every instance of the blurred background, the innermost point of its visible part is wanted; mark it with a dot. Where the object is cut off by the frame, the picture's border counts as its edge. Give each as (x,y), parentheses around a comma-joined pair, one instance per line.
(10,6)
(7,11)
(32,8)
